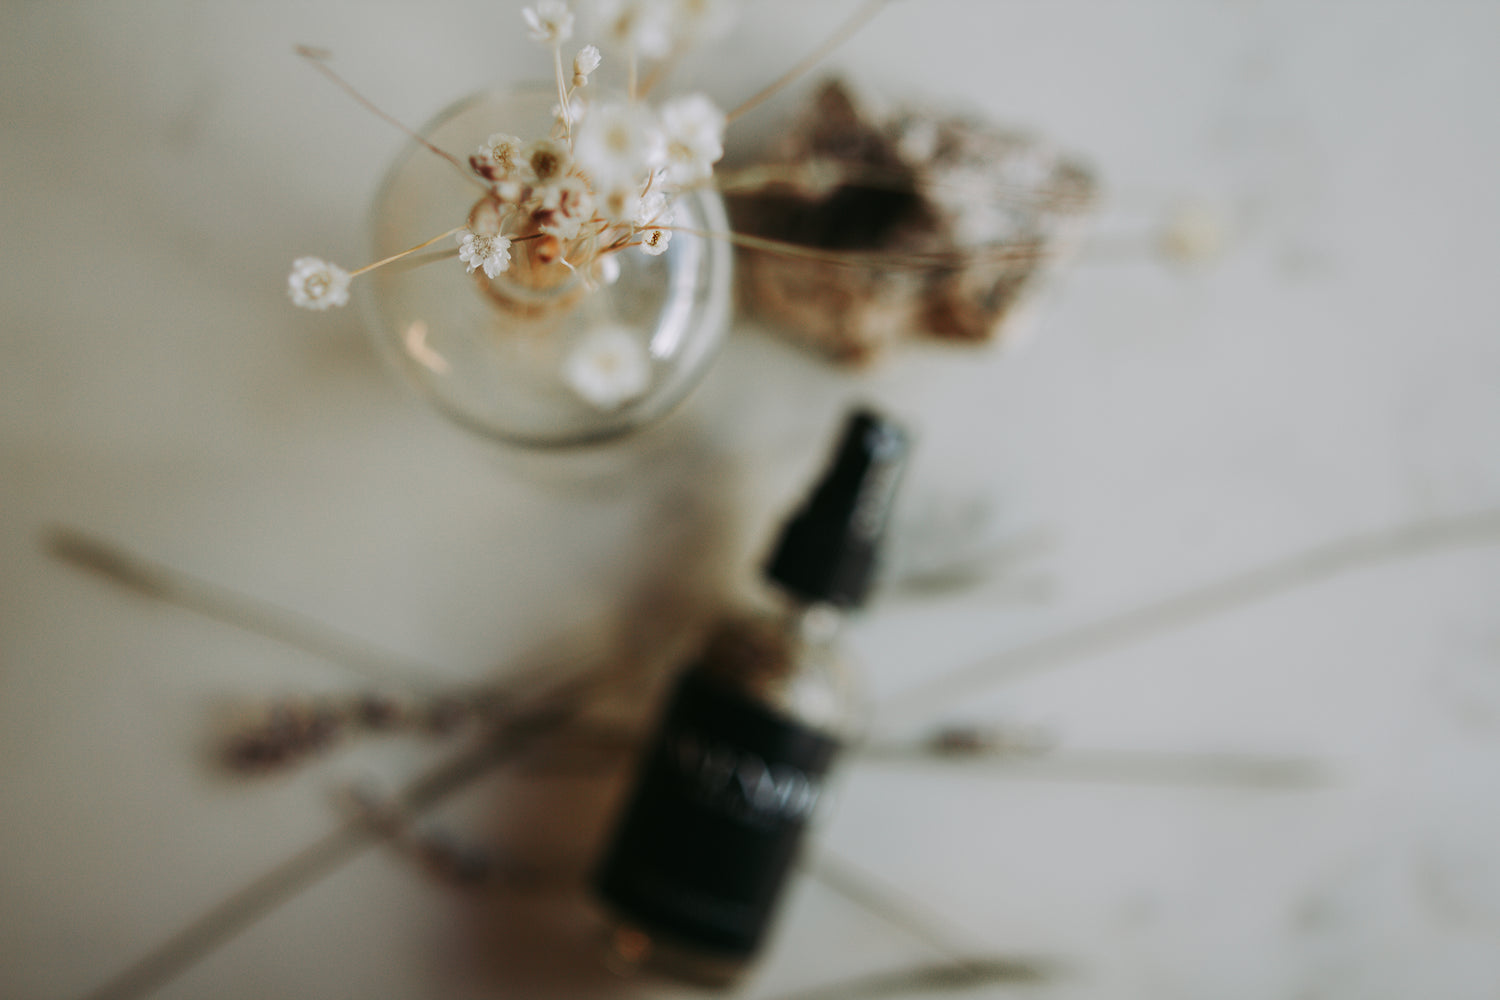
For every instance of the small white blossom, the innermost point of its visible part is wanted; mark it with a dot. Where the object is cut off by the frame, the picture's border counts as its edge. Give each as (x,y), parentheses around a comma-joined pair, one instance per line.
(607,269)
(620,203)
(510,191)
(654,241)
(577,108)
(566,204)
(585,62)
(618,144)
(551,22)
(489,252)
(504,151)
(654,210)
(693,138)
(316,284)
(652,219)
(642,26)
(547,159)
(607,368)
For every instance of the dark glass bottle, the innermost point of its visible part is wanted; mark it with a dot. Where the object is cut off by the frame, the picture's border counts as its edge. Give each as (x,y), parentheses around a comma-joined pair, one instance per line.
(737,766)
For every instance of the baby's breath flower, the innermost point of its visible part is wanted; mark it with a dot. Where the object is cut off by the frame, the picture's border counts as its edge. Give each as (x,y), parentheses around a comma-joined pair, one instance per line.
(620,203)
(566,204)
(551,22)
(577,108)
(651,220)
(641,26)
(607,368)
(489,252)
(654,241)
(618,143)
(316,284)
(504,151)
(607,269)
(510,191)
(653,209)
(585,62)
(547,159)
(693,134)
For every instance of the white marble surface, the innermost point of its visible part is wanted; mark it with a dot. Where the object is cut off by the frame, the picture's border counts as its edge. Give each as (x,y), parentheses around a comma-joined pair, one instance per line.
(1336,373)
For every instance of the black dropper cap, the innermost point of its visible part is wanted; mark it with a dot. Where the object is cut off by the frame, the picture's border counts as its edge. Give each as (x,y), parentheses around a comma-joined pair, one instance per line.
(828,550)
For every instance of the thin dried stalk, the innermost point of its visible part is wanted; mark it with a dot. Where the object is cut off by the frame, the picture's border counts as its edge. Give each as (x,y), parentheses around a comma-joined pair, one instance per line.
(319,59)
(164,583)
(858,20)
(1302,569)
(1021,252)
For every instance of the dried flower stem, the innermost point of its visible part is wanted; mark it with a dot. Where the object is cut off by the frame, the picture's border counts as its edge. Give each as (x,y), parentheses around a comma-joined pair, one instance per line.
(165,583)
(867,892)
(319,59)
(410,250)
(1300,569)
(927,979)
(1018,252)
(858,20)
(820,177)
(662,68)
(518,730)
(564,110)
(265,893)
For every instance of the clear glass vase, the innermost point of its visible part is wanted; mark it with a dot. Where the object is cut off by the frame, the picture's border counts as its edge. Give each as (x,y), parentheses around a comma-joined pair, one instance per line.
(526,357)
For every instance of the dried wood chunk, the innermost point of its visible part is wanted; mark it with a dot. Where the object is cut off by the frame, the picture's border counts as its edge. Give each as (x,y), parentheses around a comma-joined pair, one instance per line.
(907,224)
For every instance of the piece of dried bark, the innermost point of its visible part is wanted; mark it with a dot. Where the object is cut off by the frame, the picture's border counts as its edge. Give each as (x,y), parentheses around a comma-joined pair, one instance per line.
(920,224)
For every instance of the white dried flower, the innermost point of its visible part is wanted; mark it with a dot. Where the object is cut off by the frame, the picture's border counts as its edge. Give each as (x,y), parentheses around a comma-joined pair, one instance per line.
(547,159)
(577,108)
(585,62)
(618,144)
(653,210)
(503,151)
(607,269)
(565,205)
(693,138)
(316,284)
(651,220)
(607,368)
(654,241)
(551,22)
(489,252)
(510,191)
(620,203)
(642,26)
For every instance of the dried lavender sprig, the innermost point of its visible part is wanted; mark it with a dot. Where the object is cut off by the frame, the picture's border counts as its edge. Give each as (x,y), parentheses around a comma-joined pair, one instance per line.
(165,583)
(1032,753)
(1312,565)
(523,726)
(288,731)
(936,977)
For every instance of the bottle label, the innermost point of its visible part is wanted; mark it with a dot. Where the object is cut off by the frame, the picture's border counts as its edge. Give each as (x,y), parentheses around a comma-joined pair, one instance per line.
(710,836)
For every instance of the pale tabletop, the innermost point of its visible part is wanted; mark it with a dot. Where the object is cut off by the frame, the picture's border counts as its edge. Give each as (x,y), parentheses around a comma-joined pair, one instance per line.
(1240,517)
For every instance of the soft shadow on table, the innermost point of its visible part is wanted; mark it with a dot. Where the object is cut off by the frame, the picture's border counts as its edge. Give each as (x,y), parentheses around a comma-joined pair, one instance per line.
(546,939)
